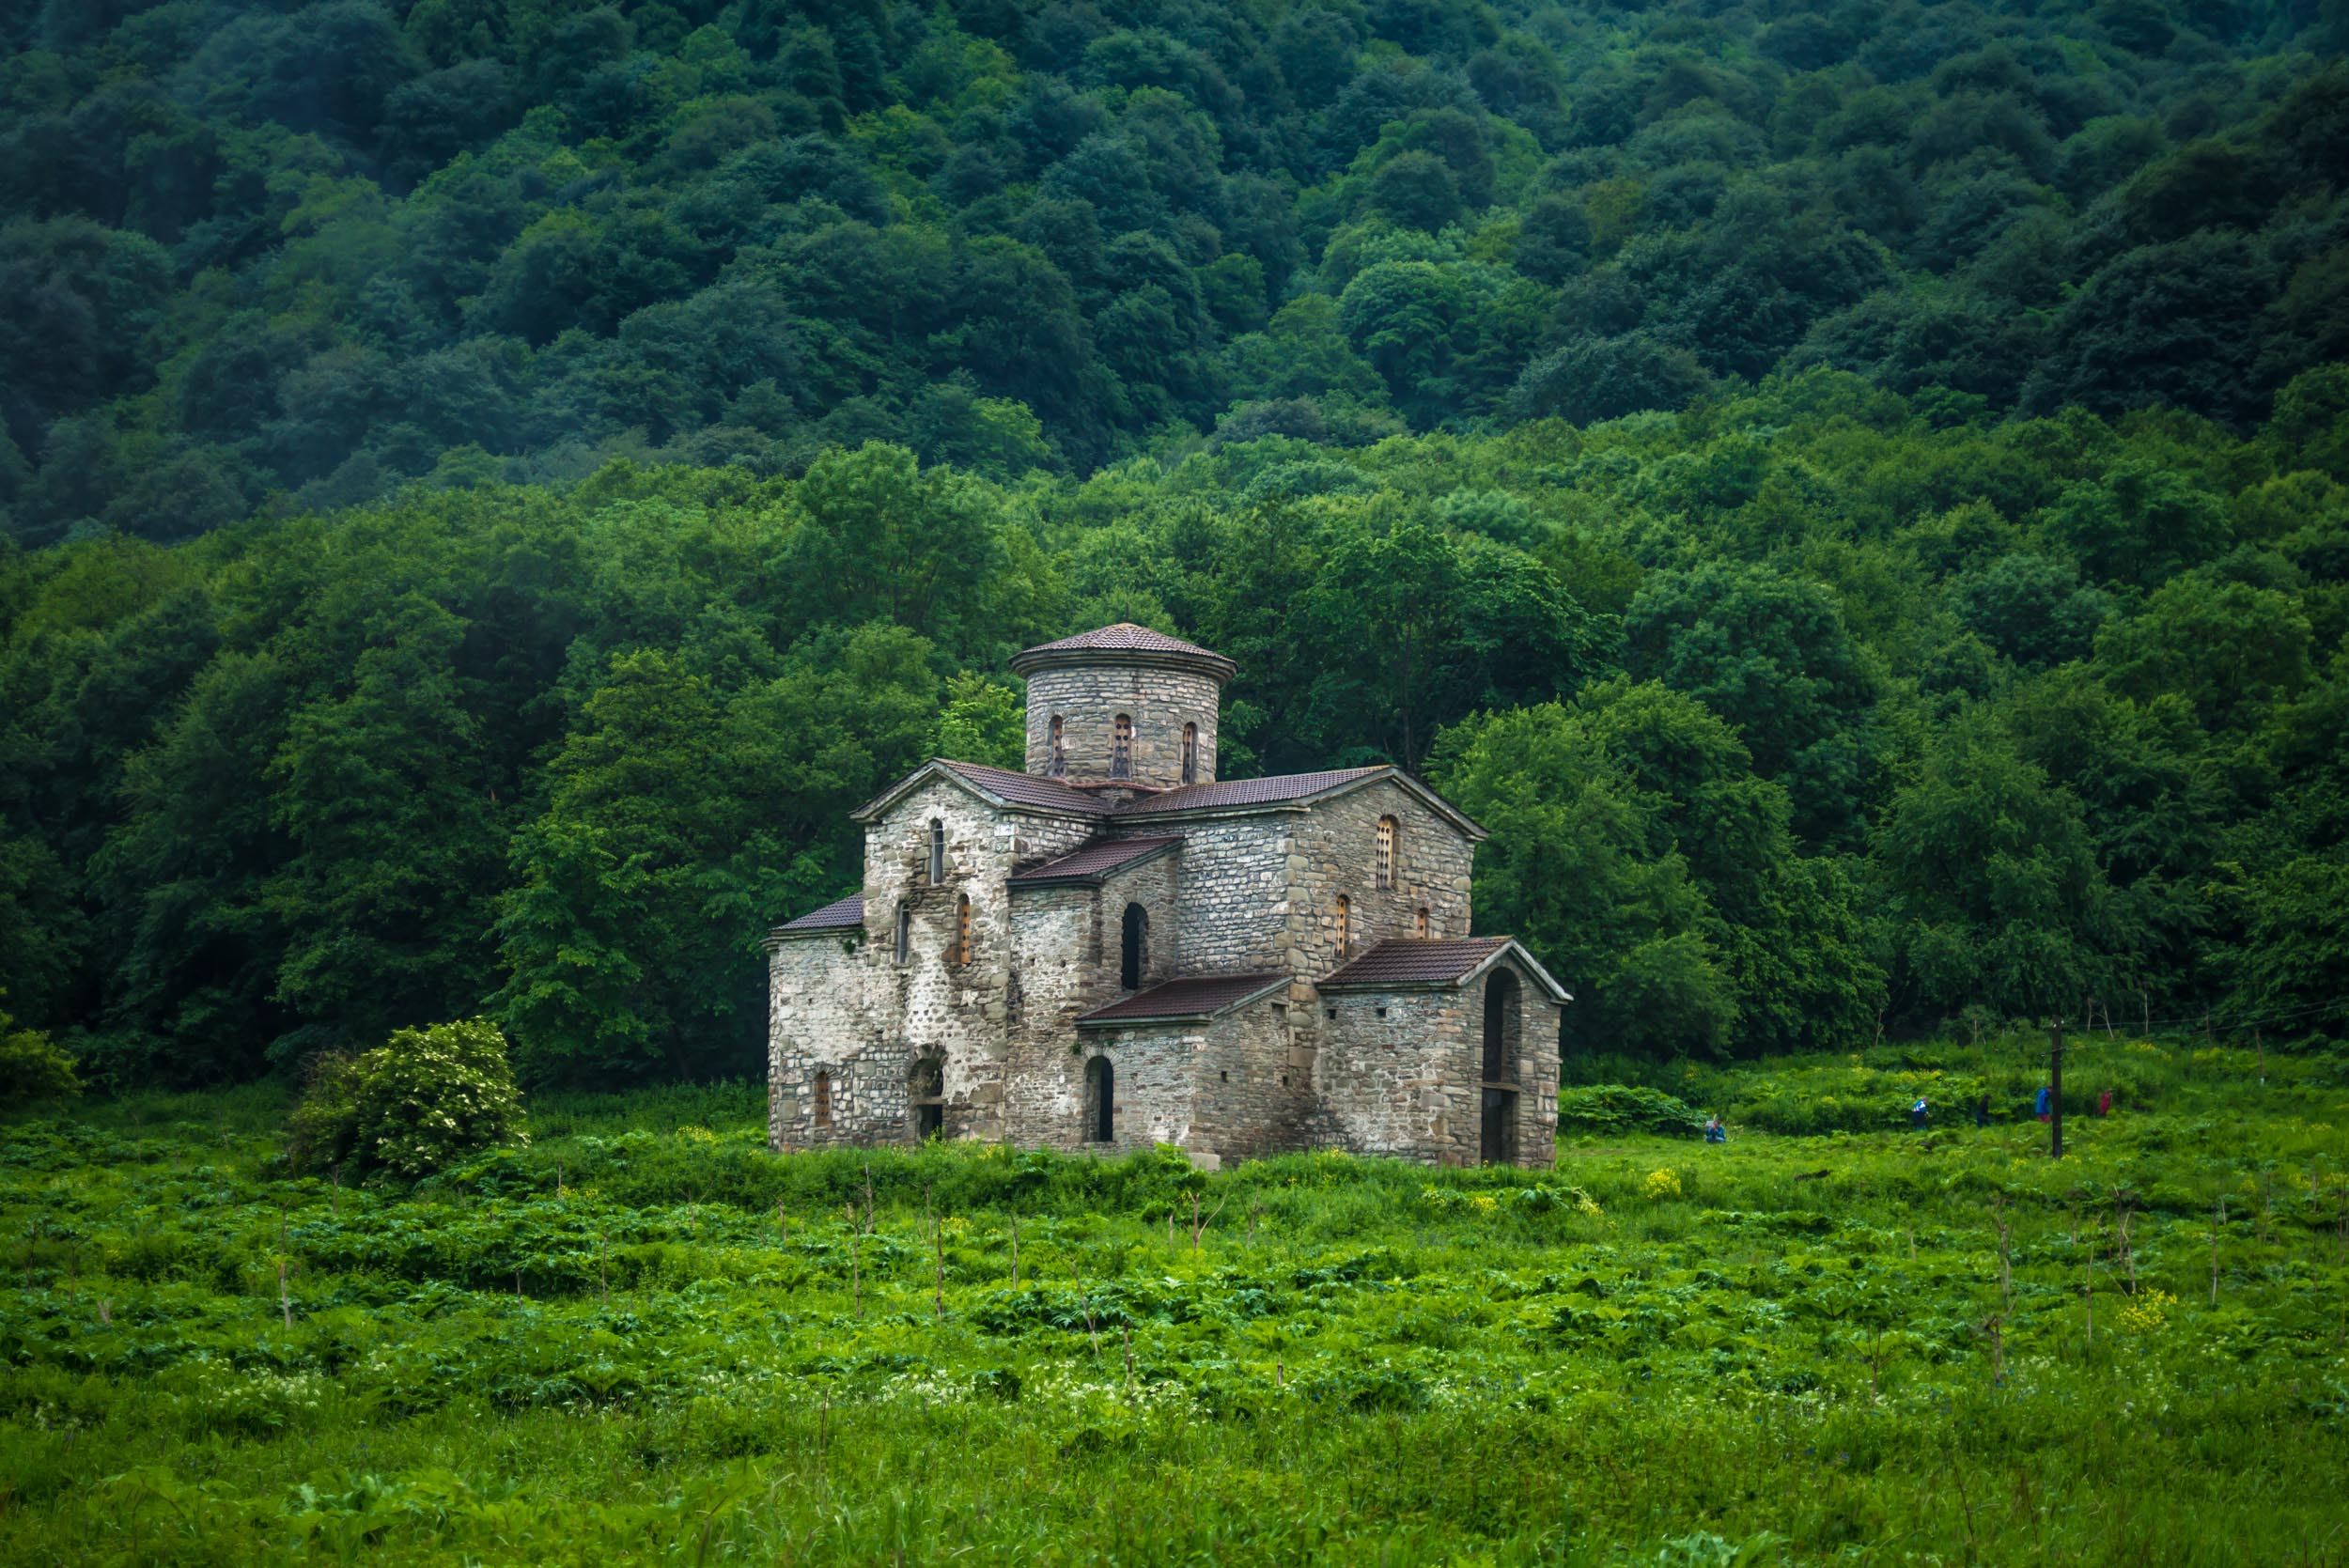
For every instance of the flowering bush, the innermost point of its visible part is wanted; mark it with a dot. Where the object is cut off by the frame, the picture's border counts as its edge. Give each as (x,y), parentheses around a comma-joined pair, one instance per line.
(2149,1313)
(1663,1184)
(414,1106)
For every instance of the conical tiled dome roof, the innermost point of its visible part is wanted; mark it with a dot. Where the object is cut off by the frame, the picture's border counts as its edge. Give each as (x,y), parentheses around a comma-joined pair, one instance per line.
(1121,643)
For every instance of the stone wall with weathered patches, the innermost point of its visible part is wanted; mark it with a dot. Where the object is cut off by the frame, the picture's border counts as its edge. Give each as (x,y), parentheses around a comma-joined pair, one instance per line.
(1401,1073)
(1160,701)
(1232,917)
(866,1017)
(1334,850)
(1397,1075)
(1255,1091)
(1069,942)
(1153,1085)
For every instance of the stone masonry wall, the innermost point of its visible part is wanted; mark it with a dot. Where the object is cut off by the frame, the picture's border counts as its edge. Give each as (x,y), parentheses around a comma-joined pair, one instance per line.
(1233,911)
(1401,1073)
(1336,850)
(1159,701)
(1255,1091)
(1152,1088)
(1068,946)
(867,1018)
(1394,1073)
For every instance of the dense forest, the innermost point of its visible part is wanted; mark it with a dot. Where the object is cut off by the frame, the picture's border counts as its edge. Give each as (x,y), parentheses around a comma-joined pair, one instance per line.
(1856,499)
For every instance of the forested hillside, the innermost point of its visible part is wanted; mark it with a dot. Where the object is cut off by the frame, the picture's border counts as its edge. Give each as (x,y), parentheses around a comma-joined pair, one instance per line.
(1858,500)
(314,250)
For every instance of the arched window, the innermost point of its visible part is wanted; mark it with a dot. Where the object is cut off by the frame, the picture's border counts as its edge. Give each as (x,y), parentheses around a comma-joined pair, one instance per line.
(937,850)
(823,1099)
(1134,949)
(1100,1101)
(1059,765)
(1423,923)
(1190,753)
(1122,748)
(1386,853)
(962,929)
(905,932)
(1345,925)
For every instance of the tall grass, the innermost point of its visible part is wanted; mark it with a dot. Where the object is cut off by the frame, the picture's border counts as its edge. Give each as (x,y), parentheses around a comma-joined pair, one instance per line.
(1791,1347)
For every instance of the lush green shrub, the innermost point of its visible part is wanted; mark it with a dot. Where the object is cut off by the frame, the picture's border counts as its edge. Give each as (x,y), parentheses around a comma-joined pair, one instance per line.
(414,1106)
(1617,1109)
(32,1065)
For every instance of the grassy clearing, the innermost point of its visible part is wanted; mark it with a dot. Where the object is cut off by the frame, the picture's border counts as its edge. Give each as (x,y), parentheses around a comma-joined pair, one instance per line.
(1795,1347)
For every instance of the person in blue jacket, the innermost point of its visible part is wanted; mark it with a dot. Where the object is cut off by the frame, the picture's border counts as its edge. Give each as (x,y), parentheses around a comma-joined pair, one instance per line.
(2047,1102)
(1917,1112)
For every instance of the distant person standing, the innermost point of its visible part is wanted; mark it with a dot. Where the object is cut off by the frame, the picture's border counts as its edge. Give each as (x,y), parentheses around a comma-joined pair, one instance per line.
(1982,1111)
(2103,1103)
(1917,1112)
(2047,1103)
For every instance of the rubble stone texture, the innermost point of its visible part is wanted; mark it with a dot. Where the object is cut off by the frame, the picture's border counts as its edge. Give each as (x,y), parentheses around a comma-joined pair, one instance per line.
(1230,889)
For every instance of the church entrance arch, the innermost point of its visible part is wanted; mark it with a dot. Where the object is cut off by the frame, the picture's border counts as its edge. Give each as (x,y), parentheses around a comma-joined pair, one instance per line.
(926,1092)
(1504,1013)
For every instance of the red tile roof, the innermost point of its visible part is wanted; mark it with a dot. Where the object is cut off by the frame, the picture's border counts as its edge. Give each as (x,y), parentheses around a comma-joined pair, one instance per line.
(1196,995)
(1124,637)
(1027,789)
(1244,792)
(839,916)
(1415,962)
(1090,862)
(1122,643)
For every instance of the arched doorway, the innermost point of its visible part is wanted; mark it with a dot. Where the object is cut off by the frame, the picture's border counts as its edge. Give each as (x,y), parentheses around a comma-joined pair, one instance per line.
(926,1092)
(1100,1101)
(1504,1013)
(1133,960)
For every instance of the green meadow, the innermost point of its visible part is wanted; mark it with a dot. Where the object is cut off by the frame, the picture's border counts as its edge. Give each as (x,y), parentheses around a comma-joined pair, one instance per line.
(642,1337)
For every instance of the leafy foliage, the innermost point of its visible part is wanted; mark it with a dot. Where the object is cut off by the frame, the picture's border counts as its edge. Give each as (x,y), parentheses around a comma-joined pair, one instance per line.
(1614,1109)
(643,1334)
(414,1106)
(333,247)
(32,1065)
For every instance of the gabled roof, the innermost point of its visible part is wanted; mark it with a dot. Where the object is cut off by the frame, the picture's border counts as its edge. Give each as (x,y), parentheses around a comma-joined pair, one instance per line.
(846,914)
(1196,995)
(1402,964)
(1004,788)
(1123,643)
(1094,861)
(997,786)
(1286,789)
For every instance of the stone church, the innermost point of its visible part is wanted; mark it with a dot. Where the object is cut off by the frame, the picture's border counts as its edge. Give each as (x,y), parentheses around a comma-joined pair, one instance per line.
(1112,949)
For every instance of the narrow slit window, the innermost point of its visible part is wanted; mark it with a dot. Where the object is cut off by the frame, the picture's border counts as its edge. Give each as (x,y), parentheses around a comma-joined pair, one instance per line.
(1122,748)
(937,850)
(823,1099)
(1386,852)
(1190,753)
(904,932)
(962,929)
(1345,925)
(1423,923)
(1058,767)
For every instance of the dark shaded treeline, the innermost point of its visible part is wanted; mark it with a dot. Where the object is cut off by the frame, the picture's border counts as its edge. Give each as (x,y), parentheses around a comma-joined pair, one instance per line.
(1796,715)
(320,249)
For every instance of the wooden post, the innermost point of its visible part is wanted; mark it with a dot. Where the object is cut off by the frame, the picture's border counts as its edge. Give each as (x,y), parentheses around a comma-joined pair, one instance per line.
(1015,1252)
(2218,1218)
(856,1284)
(2055,1089)
(284,1298)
